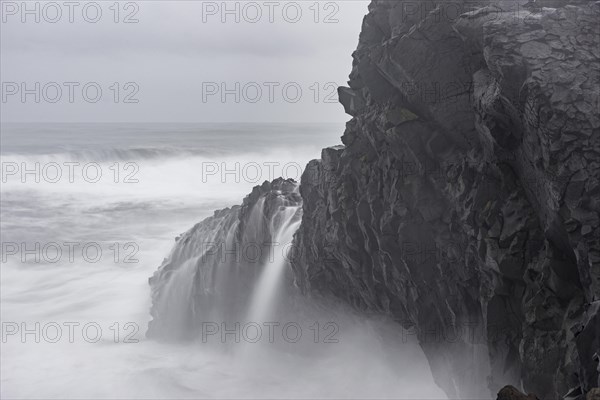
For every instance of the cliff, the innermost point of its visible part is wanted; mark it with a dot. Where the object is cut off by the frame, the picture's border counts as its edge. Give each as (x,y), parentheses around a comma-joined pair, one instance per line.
(465,201)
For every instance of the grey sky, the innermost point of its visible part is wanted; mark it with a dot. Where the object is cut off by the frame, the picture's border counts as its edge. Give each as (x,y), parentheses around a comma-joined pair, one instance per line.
(177,51)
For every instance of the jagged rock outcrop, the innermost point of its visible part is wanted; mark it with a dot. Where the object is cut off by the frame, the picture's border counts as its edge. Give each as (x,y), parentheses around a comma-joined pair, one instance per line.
(211,272)
(511,393)
(465,201)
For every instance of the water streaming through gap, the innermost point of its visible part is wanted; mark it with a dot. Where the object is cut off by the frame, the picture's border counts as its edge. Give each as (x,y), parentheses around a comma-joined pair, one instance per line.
(284,225)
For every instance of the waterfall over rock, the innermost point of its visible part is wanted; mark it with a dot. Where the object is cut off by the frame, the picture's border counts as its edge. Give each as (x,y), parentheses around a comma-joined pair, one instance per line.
(464,202)
(229,267)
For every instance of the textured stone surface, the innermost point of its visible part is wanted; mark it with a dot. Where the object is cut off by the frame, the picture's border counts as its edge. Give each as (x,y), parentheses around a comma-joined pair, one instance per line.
(593,394)
(465,201)
(511,393)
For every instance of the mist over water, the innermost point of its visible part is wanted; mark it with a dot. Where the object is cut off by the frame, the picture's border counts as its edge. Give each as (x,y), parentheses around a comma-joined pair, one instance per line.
(158,181)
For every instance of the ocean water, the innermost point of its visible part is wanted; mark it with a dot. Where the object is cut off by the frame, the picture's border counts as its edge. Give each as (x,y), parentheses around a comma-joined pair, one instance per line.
(89,211)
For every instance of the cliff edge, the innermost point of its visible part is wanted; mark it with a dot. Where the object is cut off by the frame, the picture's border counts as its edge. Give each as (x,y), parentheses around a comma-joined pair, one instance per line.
(465,201)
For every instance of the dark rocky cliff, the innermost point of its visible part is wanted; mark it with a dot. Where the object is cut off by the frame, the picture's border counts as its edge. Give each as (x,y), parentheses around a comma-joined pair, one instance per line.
(465,201)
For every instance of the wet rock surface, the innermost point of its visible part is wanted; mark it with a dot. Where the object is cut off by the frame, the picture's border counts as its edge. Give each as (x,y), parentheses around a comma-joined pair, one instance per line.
(212,269)
(465,201)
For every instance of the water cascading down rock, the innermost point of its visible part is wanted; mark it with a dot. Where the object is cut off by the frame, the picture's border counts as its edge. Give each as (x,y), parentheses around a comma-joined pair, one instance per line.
(229,267)
(465,201)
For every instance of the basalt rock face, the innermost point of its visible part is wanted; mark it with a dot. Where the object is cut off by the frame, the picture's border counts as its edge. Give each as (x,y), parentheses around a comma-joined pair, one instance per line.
(212,270)
(465,201)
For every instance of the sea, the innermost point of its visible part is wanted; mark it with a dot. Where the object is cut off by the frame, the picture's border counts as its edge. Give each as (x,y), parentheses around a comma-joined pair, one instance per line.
(88,213)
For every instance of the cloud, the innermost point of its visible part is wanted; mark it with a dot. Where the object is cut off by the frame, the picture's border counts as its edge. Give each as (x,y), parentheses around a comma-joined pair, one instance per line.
(173,48)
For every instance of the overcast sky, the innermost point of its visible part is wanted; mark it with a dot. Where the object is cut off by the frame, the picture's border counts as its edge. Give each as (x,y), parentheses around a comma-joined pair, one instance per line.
(174,62)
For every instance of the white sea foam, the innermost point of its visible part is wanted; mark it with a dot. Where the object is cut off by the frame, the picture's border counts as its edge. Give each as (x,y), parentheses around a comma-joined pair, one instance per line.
(370,358)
